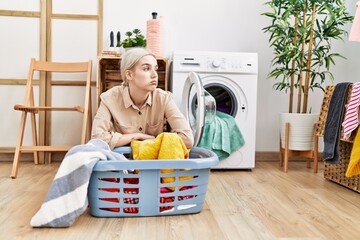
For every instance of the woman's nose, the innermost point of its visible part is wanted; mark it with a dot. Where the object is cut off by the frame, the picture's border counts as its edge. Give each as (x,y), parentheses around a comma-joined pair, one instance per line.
(154,73)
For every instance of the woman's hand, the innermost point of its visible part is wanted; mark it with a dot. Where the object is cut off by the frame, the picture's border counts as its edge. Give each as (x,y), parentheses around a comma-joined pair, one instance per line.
(127,138)
(142,136)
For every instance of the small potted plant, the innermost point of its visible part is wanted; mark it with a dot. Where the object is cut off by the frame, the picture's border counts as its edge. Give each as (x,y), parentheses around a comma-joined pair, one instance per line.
(133,39)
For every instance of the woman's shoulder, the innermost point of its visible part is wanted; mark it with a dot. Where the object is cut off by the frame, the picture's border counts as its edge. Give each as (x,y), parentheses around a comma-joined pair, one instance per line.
(114,91)
(162,95)
(113,96)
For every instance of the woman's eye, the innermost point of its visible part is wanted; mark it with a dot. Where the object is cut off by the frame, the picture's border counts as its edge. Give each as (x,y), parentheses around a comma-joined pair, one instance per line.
(148,68)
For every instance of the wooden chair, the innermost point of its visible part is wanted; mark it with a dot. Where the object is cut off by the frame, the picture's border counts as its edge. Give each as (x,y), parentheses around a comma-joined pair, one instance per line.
(29,107)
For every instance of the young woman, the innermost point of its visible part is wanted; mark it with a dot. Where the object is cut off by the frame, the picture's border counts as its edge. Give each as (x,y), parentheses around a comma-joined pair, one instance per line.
(138,110)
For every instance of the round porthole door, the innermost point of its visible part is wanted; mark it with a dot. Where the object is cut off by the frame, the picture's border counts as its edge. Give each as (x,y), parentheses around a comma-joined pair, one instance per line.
(200,106)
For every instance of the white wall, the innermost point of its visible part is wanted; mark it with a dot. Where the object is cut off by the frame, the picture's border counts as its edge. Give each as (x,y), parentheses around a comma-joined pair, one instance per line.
(20,41)
(227,25)
(222,25)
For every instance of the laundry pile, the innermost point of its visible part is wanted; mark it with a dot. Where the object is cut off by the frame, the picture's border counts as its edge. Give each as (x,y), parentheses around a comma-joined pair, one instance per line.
(166,146)
(222,136)
(67,196)
(339,107)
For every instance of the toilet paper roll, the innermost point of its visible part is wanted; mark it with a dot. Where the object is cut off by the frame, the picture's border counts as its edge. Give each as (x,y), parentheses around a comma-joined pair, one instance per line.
(154,36)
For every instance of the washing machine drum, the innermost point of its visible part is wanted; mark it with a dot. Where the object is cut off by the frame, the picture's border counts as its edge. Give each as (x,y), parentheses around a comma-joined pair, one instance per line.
(225,99)
(200,105)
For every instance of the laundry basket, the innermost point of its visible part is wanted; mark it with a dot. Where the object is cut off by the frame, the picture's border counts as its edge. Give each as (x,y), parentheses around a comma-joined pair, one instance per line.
(137,187)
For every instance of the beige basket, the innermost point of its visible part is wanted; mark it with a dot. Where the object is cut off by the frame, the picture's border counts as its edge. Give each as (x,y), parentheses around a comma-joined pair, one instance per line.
(336,172)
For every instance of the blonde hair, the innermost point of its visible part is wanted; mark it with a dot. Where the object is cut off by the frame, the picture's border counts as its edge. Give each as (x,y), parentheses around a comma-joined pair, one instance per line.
(130,59)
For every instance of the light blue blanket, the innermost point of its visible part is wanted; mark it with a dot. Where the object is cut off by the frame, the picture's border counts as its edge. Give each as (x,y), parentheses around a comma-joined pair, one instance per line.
(222,136)
(67,196)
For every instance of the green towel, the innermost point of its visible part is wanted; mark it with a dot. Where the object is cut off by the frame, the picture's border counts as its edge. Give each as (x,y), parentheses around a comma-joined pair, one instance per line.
(222,136)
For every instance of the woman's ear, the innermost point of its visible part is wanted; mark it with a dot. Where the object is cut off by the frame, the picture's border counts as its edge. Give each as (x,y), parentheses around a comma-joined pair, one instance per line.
(128,74)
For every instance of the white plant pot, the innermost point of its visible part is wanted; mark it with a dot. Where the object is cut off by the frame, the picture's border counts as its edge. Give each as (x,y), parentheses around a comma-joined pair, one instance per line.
(301,134)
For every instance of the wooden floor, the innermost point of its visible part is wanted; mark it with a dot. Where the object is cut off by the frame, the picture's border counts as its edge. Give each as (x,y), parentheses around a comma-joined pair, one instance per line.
(264,203)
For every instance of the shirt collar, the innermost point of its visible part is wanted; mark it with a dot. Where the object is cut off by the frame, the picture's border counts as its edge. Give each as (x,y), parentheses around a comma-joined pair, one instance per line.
(128,102)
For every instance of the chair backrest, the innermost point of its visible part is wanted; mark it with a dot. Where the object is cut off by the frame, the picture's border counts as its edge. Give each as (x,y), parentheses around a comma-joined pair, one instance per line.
(57,67)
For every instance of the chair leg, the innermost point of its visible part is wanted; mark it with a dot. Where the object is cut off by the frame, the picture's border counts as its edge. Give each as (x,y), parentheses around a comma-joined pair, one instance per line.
(87,118)
(90,112)
(89,121)
(33,127)
(16,161)
(85,125)
(86,129)
(286,157)
(34,136)
(89,125)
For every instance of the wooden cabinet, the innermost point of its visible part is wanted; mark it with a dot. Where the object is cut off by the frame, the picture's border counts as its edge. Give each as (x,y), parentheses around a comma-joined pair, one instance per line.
(108,74)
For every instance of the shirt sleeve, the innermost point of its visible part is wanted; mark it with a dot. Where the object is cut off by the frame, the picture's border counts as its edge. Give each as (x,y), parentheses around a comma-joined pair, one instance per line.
(178,123)
(103,127)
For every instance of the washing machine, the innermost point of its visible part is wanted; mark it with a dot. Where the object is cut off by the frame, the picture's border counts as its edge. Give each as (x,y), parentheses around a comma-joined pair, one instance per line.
(231,79)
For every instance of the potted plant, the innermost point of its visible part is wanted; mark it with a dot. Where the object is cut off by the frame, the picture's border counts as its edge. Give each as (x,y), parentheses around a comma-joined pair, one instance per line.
(301,35)
(133,39)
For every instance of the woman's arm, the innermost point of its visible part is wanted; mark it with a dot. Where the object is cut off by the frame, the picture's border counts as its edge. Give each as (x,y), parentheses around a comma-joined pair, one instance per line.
(103,128)
(127,138)
(178,123)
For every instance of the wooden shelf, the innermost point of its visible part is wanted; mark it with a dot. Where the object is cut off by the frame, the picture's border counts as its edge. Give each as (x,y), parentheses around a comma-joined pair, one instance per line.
(108,74)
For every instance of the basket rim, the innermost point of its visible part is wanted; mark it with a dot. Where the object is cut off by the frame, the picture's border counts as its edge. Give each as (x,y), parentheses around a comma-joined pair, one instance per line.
(205,159)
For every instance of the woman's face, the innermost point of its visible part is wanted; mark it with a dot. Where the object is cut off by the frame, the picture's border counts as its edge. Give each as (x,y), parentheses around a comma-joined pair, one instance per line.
(144,76)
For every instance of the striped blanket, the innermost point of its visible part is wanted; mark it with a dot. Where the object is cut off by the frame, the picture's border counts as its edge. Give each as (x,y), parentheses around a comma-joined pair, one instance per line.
(67,196)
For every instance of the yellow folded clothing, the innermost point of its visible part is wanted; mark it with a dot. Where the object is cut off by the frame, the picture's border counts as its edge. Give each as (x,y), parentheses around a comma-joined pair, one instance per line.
(164,146)
(354,163)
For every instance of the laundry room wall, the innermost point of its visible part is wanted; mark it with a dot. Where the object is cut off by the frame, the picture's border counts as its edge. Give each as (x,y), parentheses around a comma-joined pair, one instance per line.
(201,25)
(230,25)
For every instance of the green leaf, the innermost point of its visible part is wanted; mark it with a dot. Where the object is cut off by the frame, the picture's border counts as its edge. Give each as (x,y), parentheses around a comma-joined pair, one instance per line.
(331,17)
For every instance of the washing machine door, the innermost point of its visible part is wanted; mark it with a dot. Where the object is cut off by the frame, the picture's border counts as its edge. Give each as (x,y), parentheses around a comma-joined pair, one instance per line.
(200,106)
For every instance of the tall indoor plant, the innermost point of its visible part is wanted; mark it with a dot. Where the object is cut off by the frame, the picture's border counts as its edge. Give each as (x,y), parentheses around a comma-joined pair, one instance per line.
(301,35)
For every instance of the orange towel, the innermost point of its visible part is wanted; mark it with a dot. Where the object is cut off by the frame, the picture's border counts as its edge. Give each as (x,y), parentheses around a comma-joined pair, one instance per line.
(164,146)
(354,163)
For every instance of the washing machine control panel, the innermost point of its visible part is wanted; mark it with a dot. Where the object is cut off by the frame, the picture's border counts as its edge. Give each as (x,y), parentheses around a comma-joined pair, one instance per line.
(216,62)
(228,64)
